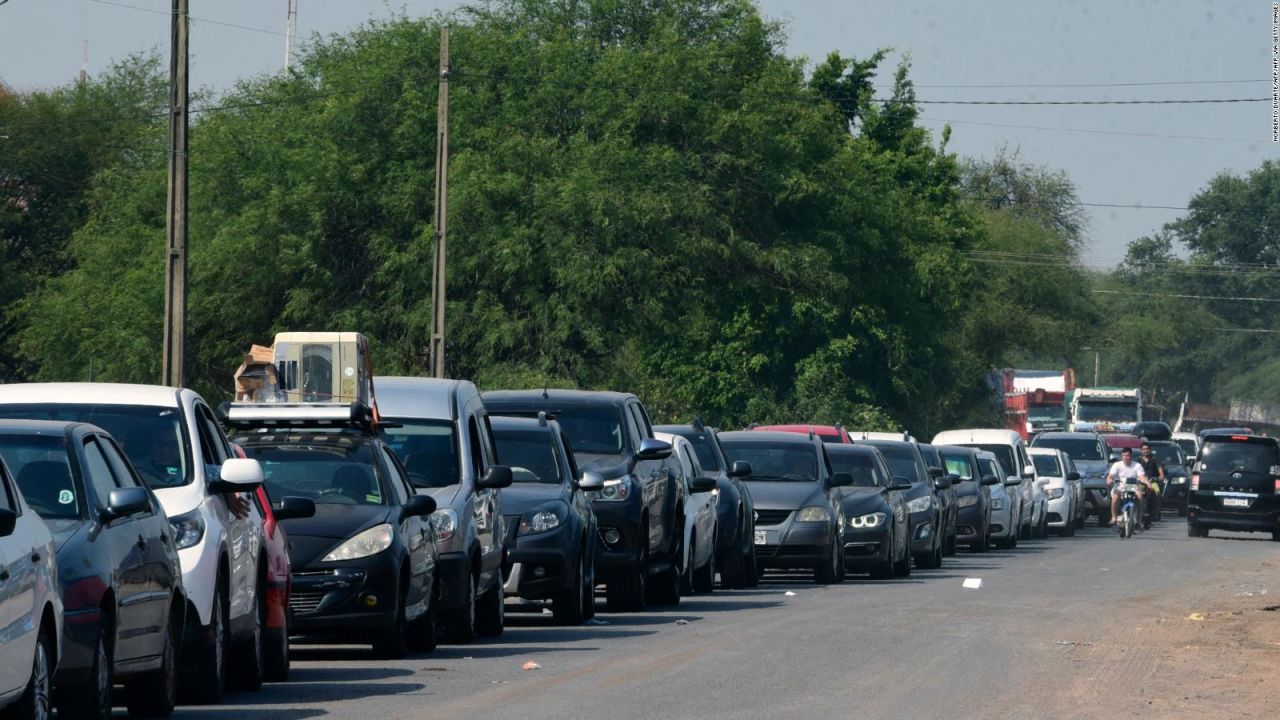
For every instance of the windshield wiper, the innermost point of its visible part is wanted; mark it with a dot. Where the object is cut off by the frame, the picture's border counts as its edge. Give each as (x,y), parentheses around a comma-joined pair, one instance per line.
(754,476)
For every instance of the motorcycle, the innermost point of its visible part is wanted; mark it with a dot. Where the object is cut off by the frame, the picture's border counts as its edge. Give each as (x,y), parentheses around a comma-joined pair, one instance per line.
(1127,522)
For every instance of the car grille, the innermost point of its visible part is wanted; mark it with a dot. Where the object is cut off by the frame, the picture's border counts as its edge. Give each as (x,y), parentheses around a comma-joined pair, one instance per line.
(772,517)
(305,602)
(766,551)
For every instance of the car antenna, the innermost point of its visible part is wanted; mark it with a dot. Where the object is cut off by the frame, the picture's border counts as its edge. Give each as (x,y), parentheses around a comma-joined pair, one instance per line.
(812,434)
(698,425)
(545,396)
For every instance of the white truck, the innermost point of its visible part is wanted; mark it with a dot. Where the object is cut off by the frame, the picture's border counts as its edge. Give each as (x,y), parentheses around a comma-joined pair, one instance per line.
(1105,409)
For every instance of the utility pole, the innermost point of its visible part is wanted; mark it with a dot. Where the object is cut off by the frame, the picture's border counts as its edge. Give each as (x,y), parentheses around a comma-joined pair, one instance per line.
(291,23)
(175,279)
(1097,360)
(441,212)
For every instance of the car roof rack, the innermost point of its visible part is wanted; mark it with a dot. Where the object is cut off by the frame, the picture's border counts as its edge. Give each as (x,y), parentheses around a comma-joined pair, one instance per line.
(542,418)
(269,415)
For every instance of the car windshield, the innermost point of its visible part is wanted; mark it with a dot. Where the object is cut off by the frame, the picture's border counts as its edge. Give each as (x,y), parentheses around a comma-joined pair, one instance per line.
(1004,456)
(39,466)
(530,455)
(988,467)
(428,450)
(703,446)
(1167,454)
(1188,446)
(152,437)
(958,464)
(776,462)
(329,473)
(594,430)
(1076,448)
(1253,457)
(858,465)
(1106,411)
(901,461)
(1047,465)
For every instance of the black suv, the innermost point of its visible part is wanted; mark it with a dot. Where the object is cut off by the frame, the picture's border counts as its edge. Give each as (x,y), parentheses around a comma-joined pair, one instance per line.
(639,510)
(1233,486)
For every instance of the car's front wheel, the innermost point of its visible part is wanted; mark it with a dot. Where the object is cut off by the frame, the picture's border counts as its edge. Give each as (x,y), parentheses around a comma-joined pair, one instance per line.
(209,679)
(391,643)
(460,627)
(704,578)
(627,591)
(35,701)
(155,694)
(491,615)
(94,699)
(568,607)
(250,660)
(423,633)
(276,649)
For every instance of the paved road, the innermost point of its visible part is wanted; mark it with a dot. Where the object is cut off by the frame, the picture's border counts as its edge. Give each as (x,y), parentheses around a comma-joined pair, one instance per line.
(921,647)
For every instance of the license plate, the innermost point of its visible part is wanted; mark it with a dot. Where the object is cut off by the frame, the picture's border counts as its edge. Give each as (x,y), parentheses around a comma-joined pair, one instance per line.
(1235,502)
(761,537)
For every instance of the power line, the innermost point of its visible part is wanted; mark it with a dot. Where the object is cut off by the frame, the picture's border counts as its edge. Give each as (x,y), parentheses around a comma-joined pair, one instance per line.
(1180,101)
(1085,85)
(1186,297)
(1089,131)
(189,17)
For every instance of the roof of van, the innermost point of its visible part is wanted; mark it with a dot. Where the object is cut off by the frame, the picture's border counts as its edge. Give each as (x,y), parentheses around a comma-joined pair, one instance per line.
(410,397)
(977,435)
(551,397)
(100,393)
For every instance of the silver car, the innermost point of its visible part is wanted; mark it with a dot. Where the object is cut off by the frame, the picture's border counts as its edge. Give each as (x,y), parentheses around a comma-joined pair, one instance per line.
(1004,507)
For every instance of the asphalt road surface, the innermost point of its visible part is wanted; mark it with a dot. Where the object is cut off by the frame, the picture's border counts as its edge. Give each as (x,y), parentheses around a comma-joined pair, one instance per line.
(1061,627)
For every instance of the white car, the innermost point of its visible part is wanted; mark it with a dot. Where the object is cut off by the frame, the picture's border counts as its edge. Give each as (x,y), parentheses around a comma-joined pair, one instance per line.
(174,441)
(700,508)
(1057,476)
(1004,509)
(1189,442)
(1011,452)
(30,607)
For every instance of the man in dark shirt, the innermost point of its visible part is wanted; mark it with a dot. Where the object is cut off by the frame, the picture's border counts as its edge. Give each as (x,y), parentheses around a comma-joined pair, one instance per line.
(1155,473)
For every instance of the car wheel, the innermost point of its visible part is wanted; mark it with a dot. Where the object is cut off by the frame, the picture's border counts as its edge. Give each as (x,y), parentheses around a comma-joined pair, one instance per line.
(250,657)
(460,628)
(902,567)
(390,643)
(884,569)
(665,586)
(733,567)
(568,607)
(704,579)
(154,694)
(1193,530)
(1275,536)
(276,645)
(754,571)
(627,592)
(491,617)
(35,701)
(208,684)
(423,632)
(686,570)
(824,571)
(92,700)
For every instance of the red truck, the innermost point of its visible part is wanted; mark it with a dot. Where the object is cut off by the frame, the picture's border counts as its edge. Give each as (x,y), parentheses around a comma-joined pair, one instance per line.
(1035,400)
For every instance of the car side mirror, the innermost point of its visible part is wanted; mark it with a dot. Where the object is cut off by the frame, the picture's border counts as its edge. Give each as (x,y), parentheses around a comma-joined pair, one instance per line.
(1073,476)
(740,468)
(1012,481)
(702,484)
(497,476)
(418,506)
(935,471)
(900,483)
(237,475)
(293,507)
(840,479)
(591,481)
(1191,460)
(941,483)
(653,449)
(8,521)
(123,502)
(990,480)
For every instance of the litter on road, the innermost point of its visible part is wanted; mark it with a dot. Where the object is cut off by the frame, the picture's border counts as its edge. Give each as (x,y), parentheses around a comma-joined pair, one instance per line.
(973,583)
(789,594)
(682,621)
(531,665)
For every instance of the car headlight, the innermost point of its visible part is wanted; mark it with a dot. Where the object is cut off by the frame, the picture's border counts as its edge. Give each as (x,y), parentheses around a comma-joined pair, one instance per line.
(813,514)
(965,501)
(1054,493)
(870,520)
(188,529)
(370,542)
(920,504)
(613,490)
(1177,480)
(997,503)
(547,517)
(445,523)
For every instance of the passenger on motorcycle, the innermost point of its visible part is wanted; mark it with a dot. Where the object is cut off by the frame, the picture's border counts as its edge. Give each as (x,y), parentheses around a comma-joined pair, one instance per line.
(1154,470)
(1125,472)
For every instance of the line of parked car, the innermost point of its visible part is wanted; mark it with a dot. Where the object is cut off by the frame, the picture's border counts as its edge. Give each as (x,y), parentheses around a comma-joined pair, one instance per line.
(153,550)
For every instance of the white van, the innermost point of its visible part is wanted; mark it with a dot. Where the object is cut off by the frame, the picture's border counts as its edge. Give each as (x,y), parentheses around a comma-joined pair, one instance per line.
(1011,451)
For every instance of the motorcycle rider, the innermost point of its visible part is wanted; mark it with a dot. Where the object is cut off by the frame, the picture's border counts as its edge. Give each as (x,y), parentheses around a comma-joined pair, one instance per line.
(1122,472)
(1154,470)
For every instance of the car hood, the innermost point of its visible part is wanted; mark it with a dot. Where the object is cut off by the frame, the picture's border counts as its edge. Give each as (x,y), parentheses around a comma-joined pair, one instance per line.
(1093,472)
(444,495)
(520,498)
(785,495)
(337,522)
(861,501)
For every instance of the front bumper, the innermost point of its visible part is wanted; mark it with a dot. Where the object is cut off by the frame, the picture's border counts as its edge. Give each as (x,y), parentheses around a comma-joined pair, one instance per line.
(360,596)
(1059,510)
(541,566)
(613,559)
(1097,501)
(793,544)
(1176,493)
(1207,509)
(922,533)
(865,547)
(971,525)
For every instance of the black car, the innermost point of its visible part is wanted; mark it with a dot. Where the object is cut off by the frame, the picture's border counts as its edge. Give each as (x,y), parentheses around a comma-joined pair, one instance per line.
(1153,430)
(923,512)
(1233,486)
(973,495)
(735,533)
(799,510)
(1089,451)
(946,495)
(1174,489)
(876,536)
(641,506)
(364,566)
(118,571)
(551,529)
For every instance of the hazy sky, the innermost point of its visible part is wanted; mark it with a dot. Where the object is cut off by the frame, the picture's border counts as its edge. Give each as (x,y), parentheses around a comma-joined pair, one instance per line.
(1116,154)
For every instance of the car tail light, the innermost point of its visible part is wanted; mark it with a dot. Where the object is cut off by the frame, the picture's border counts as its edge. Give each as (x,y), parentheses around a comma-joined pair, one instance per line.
(1195,481)
(1278,486)
(1240,438)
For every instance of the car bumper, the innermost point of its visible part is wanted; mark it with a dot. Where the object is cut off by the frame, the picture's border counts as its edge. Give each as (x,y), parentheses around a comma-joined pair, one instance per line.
(971,525)
(1097,501)
(1206,510)
(922,533)
(624,517)
(867,547)
(794,545)
(360,597)
(540,566)
(1059,510)
(1175,493)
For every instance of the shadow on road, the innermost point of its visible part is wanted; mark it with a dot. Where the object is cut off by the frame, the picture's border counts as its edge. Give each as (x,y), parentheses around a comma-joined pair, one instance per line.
(239,713)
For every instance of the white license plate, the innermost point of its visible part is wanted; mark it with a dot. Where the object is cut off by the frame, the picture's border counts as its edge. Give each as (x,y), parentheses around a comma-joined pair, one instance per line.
(761,537)
(1235,502)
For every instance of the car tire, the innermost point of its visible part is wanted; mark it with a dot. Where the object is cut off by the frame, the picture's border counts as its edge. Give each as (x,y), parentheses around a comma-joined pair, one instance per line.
(733,568)
(250,655)
(391,642)
(824,571)
(91,701)
(902,566)
(664,588)
(754,571)
(209,681)
(36,701)
(1193,530)
(1275,536)
(424,632)
(983,544)
(704,579)
(628,591)
(686,569)
(491,615)
(155,694)
(460,628)
(885,569)
(276,647)
(567,607)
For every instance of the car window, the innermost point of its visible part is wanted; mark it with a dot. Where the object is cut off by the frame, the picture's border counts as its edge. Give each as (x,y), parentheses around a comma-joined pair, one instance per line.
(125,475)
(428,451)
(221,448)
(1253,457)
(42,471)
(572,461)
(98,472)
(958,464)
(398,483)
(329,473)
(692,460)
(775,461)
(902,460)
(637,422)
(531,455)
(1047,465)
(1005,456)
(476,454)
(6,493)
(1078,448)
(643,418)
(860,466)
(208,444)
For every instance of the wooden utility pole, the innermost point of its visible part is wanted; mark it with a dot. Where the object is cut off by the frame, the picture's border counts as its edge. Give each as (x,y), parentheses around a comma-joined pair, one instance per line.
(441,212)
(175,279)
(291,22)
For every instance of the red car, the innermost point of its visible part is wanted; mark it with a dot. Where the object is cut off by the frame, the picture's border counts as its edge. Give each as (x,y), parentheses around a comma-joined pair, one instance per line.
(275,605)
(827,433)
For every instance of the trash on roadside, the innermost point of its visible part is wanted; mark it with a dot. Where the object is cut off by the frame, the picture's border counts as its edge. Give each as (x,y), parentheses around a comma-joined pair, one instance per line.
(973,583)
(789,594)
(547,611)
(597,621)
(1073,642)
(1197,617)
(531,665)
(682,621)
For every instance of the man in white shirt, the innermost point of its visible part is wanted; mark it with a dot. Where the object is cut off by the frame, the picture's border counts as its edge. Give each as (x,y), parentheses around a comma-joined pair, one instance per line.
(1125,472)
